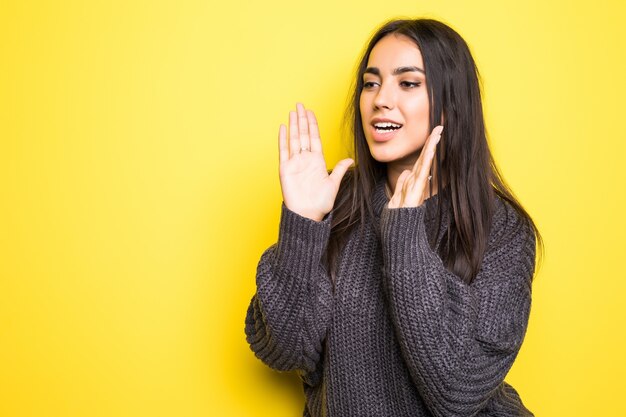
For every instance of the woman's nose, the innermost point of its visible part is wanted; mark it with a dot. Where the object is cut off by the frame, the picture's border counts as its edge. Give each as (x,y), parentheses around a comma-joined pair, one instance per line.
(384,98)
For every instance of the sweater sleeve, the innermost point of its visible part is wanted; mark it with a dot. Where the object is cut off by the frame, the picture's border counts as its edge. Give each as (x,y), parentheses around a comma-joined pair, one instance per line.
(290,312)
(458,340)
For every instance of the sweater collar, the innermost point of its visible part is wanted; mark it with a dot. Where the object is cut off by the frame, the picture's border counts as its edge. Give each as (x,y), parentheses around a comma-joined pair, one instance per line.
(379,196)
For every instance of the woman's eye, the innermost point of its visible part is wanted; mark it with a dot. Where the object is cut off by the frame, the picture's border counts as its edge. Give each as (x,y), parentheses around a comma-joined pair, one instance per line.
(368,84)
(409,84)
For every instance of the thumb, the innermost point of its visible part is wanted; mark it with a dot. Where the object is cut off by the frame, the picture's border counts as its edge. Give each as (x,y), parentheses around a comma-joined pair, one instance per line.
(340,169)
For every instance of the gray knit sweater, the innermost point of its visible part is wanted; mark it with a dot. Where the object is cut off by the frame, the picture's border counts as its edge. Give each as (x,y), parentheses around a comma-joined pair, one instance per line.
(400,335)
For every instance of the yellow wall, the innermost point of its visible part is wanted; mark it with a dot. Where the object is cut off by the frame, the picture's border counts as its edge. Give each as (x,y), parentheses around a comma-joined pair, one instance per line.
(139,186)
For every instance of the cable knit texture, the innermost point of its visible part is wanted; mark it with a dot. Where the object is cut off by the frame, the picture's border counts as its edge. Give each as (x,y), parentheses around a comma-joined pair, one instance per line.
(401,335)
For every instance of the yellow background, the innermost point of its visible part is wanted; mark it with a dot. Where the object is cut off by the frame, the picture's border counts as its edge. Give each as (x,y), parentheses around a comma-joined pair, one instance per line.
(139,186)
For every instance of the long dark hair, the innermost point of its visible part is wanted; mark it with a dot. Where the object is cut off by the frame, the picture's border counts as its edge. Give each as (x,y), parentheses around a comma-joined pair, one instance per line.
(463,161)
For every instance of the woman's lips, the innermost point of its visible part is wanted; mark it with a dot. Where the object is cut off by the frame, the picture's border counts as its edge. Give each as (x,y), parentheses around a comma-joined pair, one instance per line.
(379,136)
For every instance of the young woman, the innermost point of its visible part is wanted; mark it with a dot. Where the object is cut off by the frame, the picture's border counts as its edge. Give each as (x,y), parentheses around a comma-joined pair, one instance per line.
(401,286)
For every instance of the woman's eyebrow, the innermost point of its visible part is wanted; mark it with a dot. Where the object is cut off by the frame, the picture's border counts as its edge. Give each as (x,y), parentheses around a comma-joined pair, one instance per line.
(399,70)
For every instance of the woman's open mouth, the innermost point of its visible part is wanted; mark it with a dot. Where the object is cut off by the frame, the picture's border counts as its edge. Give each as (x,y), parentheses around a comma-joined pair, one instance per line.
(384,131)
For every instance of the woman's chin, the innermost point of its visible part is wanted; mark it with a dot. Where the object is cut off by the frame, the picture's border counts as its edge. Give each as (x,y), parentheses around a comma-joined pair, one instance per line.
(399,158)
(383,155)
(382,159)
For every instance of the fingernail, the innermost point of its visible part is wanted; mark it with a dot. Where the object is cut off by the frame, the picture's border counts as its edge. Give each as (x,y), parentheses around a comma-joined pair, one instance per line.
(439,129)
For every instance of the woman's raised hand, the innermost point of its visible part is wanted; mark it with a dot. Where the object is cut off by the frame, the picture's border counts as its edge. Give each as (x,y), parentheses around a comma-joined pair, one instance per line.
(307,188)
(412,184)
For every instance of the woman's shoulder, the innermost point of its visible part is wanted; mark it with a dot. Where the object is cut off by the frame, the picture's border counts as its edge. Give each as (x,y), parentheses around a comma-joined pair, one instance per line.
(512,244)
(510,222)
(504,211)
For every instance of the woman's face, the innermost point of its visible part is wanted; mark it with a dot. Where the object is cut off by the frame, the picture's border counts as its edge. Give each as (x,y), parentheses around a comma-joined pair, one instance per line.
(394,91)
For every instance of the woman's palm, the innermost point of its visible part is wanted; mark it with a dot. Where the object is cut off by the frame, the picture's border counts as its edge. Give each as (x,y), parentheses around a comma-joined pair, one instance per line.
(307,188)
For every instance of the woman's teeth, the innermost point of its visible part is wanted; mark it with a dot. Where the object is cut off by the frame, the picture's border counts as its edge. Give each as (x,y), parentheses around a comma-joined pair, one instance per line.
(386,127)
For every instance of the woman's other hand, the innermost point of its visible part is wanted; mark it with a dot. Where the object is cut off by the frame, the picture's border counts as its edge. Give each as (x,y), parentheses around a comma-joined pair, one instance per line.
(412,186)
(307,188)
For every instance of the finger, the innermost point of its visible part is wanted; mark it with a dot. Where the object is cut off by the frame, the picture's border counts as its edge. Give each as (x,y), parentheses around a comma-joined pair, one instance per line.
(418,163)
(426,192)
(431,143)
(407,189)
(433,147)
(417,183)
(294,139)
(429,152)
(420,184)
(303,127)
(316,143)
(396,199)
(340,169)
(422,178)
(435,137)
(283,150)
